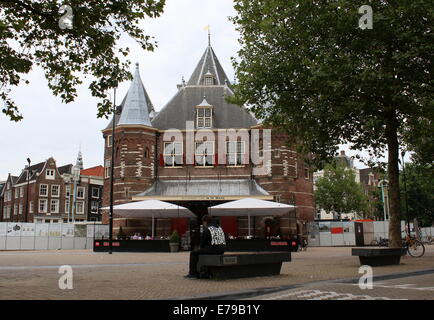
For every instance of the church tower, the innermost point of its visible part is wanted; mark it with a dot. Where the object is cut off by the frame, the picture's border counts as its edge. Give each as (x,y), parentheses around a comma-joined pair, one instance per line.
(134,144)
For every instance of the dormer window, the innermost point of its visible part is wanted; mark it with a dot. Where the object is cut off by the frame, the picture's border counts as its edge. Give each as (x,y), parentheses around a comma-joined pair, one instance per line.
(208,79)
(204,115)
(204,118)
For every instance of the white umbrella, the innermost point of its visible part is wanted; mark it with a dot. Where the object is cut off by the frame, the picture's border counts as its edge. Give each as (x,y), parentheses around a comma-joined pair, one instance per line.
(151,209)
(251,206)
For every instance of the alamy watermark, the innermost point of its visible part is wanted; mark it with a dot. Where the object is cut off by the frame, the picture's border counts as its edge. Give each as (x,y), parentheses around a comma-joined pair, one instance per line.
(366,21)
(207,147)
(365,281)
(66,21)
(65,281)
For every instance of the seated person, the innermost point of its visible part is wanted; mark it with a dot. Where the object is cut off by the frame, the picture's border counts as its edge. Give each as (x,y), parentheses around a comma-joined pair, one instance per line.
(212,242)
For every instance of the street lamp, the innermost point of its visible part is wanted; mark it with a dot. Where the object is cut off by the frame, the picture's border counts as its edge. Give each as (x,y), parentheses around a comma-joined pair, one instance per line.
(384,184)
(112,174)
(405,190)
(27,191)
(76,178)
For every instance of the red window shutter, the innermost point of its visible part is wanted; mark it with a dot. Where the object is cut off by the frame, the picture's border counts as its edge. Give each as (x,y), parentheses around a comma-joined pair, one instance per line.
(216,159)
(161,160)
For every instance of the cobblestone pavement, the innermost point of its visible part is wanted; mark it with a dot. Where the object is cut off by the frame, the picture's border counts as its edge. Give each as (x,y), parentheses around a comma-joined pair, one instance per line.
(34,274)
(414,287)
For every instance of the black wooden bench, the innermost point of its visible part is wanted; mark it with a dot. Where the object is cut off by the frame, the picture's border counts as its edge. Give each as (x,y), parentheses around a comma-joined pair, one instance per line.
(379,256)
(242,265)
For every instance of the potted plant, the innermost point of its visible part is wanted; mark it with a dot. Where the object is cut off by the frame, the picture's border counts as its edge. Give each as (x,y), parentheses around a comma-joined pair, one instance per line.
(121,234)
(174,242)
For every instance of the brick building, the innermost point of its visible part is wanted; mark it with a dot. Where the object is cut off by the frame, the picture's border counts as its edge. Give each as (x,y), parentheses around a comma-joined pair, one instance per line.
(199,151)
(50,194)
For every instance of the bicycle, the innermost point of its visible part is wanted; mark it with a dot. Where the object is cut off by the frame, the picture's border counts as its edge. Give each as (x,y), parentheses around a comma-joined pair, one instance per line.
(415,248)
(383,242)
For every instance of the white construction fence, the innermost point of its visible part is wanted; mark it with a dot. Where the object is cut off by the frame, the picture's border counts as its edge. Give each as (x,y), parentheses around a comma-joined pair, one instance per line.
(49,236)
(333,233)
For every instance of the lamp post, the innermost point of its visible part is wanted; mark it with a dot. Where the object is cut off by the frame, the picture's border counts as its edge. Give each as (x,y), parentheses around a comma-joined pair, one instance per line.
(112,166)
(384,184)
(76,178)
(405,190)
(27,191)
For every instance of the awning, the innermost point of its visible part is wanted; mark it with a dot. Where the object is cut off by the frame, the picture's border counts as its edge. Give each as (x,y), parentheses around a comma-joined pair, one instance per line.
(230,189)
(251,207)
(151,209)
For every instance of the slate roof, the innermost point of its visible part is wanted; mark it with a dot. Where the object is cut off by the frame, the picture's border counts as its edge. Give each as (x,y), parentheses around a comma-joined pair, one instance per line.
(65,169)
(136,106)
(208,64)
(182,107)
(233,187)
(36,168)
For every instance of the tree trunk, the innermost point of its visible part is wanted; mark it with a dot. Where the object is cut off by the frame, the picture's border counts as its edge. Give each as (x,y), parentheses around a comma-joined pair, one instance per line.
(393,173)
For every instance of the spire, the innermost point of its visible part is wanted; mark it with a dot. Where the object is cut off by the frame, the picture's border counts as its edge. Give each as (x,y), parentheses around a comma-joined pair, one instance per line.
(208,65)
(79,162)
(136,106)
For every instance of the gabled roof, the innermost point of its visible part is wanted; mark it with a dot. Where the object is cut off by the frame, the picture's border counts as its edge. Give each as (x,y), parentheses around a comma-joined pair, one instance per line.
(34,169)
(208,64)
(97,171)
(65,169)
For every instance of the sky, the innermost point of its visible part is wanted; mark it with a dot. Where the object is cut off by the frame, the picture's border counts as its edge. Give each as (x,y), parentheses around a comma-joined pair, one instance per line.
(53,129)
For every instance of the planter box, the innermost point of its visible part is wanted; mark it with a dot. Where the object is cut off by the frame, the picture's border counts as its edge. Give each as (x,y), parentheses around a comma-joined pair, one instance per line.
(132,246)
(379,256)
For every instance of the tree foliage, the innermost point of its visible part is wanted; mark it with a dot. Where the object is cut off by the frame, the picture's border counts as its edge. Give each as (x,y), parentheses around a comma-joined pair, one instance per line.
(338,192)
(307,67)
(30,35)
(420,193)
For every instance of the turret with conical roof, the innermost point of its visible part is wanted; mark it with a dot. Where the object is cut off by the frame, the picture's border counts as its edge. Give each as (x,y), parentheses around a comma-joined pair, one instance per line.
(133,141)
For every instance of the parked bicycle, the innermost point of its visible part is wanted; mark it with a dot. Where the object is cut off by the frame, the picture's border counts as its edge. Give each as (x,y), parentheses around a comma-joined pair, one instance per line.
(414,247)
(381,242)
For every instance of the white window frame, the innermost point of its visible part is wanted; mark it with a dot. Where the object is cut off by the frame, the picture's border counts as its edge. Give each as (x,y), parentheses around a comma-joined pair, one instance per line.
(107,168)
(173,155)
(238,155)
(109,141)
(68,192)
(208,81)
(56,206)
(17,192)
(31,207)
(15,209)
(82,206)
(67,205)
(78,191)
(203,154)
(58,191)
(20,208)
(40,190)
(21,192)
(204,117)
(50,174)
(97,190)
(45,210)
(92,208)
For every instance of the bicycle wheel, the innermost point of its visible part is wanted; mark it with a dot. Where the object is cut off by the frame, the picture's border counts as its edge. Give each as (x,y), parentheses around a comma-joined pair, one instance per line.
(416,249)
